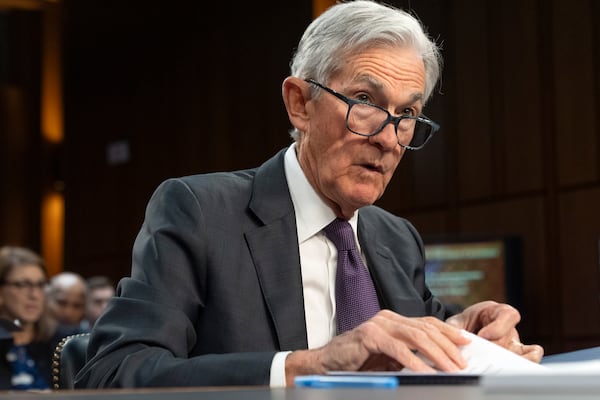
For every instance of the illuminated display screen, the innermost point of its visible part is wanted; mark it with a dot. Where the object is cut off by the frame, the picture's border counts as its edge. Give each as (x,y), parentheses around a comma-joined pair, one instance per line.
(464,273)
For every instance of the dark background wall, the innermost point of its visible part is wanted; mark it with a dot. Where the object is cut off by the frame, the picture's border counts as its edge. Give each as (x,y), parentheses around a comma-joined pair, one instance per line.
(20,141)
(189,87)
(518,153)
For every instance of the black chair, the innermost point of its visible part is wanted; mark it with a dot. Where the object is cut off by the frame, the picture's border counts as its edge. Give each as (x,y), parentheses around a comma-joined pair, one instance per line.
(69,357)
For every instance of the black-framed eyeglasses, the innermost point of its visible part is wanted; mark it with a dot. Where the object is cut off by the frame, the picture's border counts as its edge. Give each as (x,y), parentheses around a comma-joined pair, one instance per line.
(366,119)
(21,285)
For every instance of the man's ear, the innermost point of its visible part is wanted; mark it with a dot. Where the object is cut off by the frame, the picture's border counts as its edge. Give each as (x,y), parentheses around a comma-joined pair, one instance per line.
(296,94)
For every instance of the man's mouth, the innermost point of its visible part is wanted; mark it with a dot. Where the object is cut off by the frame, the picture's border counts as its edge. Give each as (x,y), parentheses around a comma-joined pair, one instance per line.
(373,167)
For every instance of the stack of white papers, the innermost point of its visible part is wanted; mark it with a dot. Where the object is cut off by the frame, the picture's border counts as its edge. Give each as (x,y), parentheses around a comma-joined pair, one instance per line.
(497,369)
(487,358)
(504,371)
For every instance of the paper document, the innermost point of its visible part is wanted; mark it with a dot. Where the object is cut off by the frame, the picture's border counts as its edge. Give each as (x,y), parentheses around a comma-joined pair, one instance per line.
(498,369)
(486,358)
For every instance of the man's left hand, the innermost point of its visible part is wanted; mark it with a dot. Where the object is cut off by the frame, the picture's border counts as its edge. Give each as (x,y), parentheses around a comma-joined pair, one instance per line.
(497,323)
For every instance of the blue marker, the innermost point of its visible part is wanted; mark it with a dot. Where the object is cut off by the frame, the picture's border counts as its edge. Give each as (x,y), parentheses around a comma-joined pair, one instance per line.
(336,381)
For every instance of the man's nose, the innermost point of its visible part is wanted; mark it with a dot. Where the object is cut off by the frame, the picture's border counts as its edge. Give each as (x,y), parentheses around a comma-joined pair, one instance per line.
(386,138)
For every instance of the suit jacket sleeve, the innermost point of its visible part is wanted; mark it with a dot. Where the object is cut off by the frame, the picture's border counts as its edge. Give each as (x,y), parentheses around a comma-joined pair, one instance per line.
(149,334)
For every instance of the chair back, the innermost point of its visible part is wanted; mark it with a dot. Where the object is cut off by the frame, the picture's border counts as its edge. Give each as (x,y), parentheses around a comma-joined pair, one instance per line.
(69,357)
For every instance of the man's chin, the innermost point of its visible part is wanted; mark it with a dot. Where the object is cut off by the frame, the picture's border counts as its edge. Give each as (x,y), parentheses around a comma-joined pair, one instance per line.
(359,199)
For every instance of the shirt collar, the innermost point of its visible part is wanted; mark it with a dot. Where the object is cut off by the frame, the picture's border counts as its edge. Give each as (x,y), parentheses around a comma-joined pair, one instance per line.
(312,213)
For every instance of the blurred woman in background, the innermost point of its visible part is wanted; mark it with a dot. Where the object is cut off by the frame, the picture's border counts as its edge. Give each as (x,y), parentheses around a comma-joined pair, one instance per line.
(26,358)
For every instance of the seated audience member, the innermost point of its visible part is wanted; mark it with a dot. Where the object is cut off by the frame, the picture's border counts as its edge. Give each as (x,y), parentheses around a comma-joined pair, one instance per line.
(254,277)
(100,290)
(67,296)
(26,358)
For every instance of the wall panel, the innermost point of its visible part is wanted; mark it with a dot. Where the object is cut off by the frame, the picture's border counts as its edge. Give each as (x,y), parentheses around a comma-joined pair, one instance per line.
(520,97)
(22,167)
(473,120)
(580,263)
(430,223)
(575,101)
(182,95)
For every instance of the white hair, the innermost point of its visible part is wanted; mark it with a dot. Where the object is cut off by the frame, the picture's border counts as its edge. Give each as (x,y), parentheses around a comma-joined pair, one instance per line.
(350,27)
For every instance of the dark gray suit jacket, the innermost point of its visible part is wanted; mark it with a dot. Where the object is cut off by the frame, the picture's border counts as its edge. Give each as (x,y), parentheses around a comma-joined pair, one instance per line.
(215,288)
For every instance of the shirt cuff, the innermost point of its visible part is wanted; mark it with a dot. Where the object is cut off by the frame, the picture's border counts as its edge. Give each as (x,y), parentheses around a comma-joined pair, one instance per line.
(278,370)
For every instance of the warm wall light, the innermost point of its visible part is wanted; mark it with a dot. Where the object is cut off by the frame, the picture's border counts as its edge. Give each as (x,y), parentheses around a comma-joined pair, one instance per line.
(53,209)
(21,4)
(51,106)
(52,130)
(321,5)
(51,125)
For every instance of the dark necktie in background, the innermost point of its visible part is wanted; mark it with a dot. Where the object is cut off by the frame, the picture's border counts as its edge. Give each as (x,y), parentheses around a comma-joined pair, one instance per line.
(355,295)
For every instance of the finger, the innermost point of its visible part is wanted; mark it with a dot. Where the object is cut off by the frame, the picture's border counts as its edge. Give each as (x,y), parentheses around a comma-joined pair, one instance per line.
(398,337)
(436,341)
(381,340)
(441,351)
(510,341)
(430,324)
(412,361)
(532,352)
(502,322)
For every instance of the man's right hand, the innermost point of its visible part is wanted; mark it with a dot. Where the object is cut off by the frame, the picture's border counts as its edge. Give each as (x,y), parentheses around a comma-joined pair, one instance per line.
(388,341)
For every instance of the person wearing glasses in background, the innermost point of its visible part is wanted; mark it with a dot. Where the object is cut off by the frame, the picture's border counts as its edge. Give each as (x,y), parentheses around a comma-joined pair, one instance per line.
(233,279)
(26,358)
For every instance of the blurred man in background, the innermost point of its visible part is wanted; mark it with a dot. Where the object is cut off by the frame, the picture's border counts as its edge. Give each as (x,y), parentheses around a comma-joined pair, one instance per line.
(99,291)
(67,294)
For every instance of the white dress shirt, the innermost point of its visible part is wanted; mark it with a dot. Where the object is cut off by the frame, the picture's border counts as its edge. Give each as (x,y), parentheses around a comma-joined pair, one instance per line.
(318,262)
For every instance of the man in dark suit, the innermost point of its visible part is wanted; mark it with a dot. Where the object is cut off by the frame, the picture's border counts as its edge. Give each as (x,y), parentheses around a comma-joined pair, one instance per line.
(233,279)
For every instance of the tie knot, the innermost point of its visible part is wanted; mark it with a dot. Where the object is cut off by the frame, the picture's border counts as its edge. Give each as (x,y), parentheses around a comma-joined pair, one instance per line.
(341,234)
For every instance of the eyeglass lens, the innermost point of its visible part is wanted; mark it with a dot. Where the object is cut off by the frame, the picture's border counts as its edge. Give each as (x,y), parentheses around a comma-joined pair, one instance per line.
(365,119)
(28,284)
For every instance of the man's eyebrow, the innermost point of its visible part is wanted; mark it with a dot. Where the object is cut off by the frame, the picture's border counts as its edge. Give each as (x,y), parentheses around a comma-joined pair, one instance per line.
(416,97)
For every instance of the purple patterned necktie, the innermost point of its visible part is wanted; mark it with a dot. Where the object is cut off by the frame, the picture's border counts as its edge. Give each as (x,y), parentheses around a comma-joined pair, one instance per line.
(355,295)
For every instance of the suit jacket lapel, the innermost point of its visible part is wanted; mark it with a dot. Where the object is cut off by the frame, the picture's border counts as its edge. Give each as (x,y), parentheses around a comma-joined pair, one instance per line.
(395,289)
(274,249)
(378,262)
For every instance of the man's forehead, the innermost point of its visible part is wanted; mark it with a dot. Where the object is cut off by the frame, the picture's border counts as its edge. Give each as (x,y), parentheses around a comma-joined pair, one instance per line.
(379,70)
(67,281)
